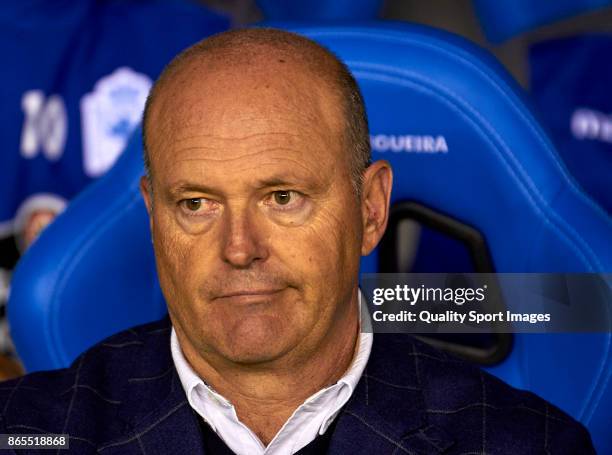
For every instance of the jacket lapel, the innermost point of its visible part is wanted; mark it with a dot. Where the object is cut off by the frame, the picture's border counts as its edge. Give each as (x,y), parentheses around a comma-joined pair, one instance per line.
(156,416)
(171,428)
(386,413)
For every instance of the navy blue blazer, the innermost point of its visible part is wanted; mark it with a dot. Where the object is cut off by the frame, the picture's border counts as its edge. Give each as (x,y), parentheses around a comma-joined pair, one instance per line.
(123,396)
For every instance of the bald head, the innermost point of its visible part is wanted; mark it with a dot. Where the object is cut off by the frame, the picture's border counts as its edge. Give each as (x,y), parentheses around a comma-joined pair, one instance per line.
(299,66)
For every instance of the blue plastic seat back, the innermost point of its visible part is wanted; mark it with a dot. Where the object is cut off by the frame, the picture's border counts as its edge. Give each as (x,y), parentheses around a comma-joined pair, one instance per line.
(90,274)
(575,102)
(461,140)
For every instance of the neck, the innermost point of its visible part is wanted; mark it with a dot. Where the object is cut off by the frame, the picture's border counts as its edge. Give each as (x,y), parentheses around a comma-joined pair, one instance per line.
(265,398)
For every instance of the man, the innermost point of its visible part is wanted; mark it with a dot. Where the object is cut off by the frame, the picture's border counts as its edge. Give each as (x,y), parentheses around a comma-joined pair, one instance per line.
(262,199)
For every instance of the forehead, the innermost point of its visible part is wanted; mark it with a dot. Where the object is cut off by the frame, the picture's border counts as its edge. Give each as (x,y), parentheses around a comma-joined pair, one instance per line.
(233,118)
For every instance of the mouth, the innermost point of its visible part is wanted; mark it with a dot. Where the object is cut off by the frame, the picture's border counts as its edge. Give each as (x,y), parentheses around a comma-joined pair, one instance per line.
(249,295)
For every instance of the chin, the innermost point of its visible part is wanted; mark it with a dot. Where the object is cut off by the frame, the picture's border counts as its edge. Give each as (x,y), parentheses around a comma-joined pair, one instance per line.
(258,339)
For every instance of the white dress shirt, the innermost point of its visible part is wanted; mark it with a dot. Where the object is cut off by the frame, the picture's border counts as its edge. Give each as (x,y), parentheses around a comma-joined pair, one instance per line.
(310,419)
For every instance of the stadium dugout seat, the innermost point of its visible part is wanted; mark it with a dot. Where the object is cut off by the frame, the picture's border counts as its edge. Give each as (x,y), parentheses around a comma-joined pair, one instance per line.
(575,102)
(468,156)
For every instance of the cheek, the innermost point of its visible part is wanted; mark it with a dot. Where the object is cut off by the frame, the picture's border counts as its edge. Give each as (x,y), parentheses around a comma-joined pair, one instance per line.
(179,259)
(325,252)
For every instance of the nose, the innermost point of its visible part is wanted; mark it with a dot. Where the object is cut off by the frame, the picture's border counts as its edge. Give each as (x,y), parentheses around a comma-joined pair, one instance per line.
(243,239)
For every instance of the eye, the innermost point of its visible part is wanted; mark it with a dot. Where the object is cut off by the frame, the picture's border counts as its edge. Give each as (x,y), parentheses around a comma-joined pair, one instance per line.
(286,201)
(193,205)
(198,206)
(282,197)
(288,207)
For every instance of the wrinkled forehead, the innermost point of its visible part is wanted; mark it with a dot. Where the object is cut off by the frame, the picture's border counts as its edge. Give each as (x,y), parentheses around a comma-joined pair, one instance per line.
(271,98)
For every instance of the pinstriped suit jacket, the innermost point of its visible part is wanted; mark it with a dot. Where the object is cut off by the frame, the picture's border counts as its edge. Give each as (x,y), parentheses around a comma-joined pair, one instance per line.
(123,396)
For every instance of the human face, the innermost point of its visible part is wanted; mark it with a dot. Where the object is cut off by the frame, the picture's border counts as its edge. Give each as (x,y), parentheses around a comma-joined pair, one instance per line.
(256,228)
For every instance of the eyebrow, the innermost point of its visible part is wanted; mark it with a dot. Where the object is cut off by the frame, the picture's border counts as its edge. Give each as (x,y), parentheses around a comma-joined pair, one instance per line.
(279,182)
(190,187)
(186,186)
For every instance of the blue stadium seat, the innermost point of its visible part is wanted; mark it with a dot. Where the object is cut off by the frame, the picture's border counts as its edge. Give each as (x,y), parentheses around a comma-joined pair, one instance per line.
(463,144)
(575,102)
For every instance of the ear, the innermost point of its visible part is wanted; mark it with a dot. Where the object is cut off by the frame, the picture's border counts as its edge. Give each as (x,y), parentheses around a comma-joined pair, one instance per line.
(147,195)
(145,190)
(375,202)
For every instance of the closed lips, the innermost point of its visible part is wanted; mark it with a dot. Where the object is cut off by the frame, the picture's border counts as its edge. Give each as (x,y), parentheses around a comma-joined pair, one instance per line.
(250,292)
